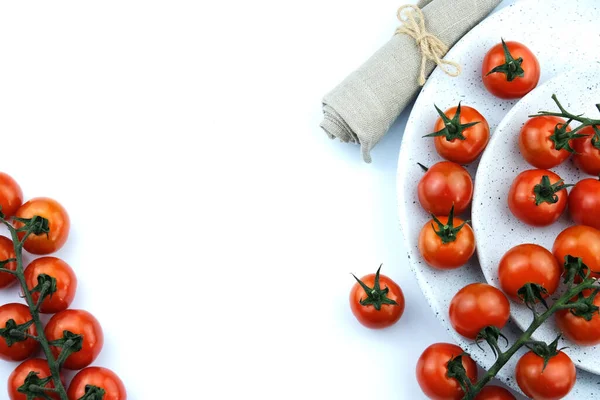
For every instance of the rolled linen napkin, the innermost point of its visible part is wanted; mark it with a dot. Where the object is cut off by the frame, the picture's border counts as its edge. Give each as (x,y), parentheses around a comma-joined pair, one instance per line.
(363,107)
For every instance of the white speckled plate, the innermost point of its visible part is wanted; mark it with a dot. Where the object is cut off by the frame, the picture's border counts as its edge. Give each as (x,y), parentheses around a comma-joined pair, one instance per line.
(496,229)
(561,40)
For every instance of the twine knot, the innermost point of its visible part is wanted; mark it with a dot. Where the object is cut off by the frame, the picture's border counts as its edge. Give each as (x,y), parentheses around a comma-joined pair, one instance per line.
(431,47)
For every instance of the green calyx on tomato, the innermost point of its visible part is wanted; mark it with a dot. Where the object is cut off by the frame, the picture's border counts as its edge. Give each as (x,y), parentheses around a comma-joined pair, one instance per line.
(376,296)
(584,307)
(545,192)
(457,371)
(36,225)
(574,267)
(545,351)
(491,334)
(453,129)
(35,387)
(424,168)
(596,138)
(511,67)
(46,287)
(562,137)
(447,232)
(70,343)
(93,393)
(531,294)
(13,333)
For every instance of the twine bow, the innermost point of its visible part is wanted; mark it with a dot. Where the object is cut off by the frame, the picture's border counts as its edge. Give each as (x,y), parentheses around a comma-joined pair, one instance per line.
(432,48)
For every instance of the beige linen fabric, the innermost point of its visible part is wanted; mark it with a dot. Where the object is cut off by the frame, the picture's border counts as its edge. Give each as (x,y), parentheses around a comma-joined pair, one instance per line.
(362,108)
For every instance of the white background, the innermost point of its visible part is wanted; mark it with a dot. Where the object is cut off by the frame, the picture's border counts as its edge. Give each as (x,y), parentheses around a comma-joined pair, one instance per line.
(214,225)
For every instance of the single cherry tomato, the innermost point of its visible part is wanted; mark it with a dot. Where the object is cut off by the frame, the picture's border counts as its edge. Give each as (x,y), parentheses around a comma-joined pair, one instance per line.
(97,379)
(7,251)
(537,197)
(546,141)
(376,301)
(575,325)
(78,322)
(432,369)
(494,393)
(14,348)
(587,151)
(58,221)
(584,203)
(553,382)
(448,247)
(443,185)
(528,263)
(476,306)
(510,70)
(461,134)
(18,376)
(579,241)
(66,283)
(11,195)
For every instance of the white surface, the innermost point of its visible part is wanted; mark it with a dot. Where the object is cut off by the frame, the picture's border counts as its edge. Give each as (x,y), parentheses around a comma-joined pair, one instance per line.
(496,229)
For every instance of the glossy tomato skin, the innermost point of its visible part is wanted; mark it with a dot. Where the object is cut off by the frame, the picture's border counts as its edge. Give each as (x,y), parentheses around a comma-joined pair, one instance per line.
(18,351)
(477,137)
(11,195)
(17,377)
(7,251)
(497,84)
(579,241)
(444,184)
(66,283)
(577,329)
(494,393)
(536,146)
(556,380)
(58,220)
(450,255)
(587,157)
(100,377)
(78,322)
(584,203)
(367,315)
(521,199)
(476,306)
(432,369)
(528,263)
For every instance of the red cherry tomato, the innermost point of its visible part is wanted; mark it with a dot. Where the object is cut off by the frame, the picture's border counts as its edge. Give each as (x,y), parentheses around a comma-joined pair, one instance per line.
(432,368)
(528,263)
(66,283)
(494,393)
(379,303)
(476,306)
(21,349)
(579,241)
(504,75)
(11,196)
(584,203)
(537,197)
(587,156)
(536,143)
(98,377)
(443,185)
(58,220)
(17,378)
(578,329)
(7,251)
(81,323)
(551,383)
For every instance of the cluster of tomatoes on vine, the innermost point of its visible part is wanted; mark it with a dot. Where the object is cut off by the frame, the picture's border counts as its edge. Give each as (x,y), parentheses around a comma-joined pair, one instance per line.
(74,337)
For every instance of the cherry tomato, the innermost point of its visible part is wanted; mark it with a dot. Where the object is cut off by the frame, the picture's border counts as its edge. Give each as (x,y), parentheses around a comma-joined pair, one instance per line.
(537,197)
(510,70)
(587,156)
(542,144)
(576,328)
(66,283)
(461,134)
(494,393)
(17,378)
(376,301)
(550,383)
(102,378)
(11,195)
(584,203)
(432,368)
(7,251)
(81,323)
(579,241)
(58,220)
(22,349)
(443,185)
(528,263)
(476,306)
